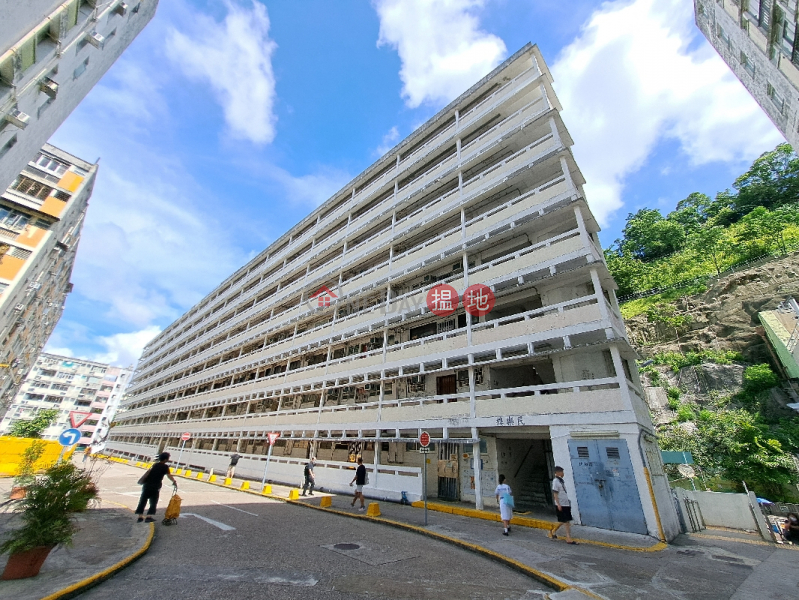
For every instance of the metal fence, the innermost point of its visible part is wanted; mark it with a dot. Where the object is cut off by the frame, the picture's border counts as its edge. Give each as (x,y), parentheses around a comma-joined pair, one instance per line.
(780,509)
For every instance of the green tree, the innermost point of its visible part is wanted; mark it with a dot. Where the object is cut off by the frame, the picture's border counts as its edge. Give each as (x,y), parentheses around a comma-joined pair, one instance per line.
(647,235)
(710,240)
(628,272)
(763,228)
(692,212)
(32,428)
(771,181)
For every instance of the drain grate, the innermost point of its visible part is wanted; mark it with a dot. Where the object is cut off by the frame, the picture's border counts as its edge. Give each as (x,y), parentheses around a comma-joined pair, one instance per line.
(346,546)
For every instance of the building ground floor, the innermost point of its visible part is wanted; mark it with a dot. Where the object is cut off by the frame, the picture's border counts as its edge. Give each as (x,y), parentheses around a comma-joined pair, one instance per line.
(613,472)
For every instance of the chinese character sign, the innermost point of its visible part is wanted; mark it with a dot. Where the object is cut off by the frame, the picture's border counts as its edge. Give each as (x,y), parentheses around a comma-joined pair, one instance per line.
(478,300)
(443,300)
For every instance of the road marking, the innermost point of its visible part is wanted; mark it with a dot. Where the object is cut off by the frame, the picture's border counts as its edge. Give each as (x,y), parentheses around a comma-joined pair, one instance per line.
(221,526)
(125,493)
(234,508)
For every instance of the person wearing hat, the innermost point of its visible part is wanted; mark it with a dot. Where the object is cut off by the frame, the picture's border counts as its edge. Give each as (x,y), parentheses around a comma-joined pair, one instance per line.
(151,483)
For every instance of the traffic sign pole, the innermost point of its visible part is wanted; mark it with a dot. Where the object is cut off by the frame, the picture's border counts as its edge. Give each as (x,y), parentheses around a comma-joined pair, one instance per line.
(182,445)
(424,440)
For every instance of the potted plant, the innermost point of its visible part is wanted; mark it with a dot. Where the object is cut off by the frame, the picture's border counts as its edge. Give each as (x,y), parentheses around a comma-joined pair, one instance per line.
(47,513)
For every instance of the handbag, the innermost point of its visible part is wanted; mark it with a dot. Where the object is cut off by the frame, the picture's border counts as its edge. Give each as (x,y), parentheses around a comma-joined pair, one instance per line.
(508,500)
(143,479)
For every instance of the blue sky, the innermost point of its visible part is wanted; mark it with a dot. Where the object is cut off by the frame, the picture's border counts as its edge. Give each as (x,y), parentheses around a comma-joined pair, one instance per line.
(225,123)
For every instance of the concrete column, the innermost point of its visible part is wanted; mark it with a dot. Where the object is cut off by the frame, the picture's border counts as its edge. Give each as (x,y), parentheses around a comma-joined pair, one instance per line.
(478,489)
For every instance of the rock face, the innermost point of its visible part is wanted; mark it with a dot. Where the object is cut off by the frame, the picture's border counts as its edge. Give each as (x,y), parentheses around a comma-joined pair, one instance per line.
(725,316)
(707,377)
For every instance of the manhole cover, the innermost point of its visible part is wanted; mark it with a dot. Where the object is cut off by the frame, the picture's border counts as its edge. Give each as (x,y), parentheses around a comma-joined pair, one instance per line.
(346,546)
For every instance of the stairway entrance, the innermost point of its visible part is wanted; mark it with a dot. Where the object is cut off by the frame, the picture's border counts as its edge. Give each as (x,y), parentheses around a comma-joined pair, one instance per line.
(527,466)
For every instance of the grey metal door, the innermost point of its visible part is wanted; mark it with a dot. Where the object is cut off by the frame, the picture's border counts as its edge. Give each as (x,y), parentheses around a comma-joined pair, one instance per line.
(606,490)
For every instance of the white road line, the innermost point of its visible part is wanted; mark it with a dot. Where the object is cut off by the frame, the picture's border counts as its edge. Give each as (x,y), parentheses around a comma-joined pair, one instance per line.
(125,493)
(221,526)
(234,508)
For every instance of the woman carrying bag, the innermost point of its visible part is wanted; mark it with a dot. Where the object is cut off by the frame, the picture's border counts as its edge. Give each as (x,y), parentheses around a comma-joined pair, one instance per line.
(506,504)
(151,483)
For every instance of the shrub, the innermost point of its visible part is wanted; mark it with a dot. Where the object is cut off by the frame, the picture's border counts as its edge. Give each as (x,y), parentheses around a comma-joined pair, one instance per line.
(685,413)
(33,428)
(758,378)
(674,403)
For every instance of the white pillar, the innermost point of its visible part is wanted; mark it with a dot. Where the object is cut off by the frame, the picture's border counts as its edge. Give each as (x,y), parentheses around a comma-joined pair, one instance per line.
(478,490)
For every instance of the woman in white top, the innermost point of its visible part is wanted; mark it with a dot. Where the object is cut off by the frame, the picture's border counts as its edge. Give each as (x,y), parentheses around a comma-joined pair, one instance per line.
(505,511)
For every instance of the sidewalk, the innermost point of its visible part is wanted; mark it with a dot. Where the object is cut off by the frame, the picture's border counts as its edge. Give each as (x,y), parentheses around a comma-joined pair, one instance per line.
(107,540)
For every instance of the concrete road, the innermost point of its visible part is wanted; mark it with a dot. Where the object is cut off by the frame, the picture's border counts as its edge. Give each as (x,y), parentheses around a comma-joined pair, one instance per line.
(233,545)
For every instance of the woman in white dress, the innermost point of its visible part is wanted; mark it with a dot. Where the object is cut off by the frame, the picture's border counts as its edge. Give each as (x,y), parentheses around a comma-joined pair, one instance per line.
(505,512)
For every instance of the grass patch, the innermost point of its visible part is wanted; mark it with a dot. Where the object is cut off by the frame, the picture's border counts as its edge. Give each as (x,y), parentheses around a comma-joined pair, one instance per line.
(639,306)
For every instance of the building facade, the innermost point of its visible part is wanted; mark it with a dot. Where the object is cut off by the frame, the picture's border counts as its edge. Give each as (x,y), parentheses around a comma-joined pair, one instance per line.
(41,216)
(70,385)
(52,52)
(757,39)
(457,287)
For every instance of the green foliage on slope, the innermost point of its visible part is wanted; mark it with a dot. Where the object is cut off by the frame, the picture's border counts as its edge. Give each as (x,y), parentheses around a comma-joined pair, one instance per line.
(703,236)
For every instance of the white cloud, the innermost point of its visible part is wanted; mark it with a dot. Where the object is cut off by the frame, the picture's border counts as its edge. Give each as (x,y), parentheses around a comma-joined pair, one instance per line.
(235,59)
(389,141)
(124,349)
(441,46)
(631,79)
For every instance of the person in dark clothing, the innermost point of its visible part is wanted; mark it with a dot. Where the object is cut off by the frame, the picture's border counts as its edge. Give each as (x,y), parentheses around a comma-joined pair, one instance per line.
(790,530)
(151,483)
(234,460)
(310,481)
(359,480)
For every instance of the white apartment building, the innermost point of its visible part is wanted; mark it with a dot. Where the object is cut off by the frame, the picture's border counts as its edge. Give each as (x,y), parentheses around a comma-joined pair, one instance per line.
(757,39)
(52,52)
(342,336)
(70,385)
(41,218)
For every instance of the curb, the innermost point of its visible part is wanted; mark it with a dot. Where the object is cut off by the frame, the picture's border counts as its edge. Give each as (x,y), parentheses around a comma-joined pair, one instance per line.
(473,513)
(81,586)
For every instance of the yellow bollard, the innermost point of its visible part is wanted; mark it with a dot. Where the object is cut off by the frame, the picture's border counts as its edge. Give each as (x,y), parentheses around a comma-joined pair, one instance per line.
(267,489)
(212,479)
(187,473)
(179,472)
(294,494)
(326,502)
(373,510)
(228,481)
(200,476)
(245,485)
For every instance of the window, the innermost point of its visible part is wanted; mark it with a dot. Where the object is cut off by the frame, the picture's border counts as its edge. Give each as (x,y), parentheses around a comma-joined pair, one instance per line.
(47,372)
(776,97)
(723,36)
(31,187)
(13,219)
(61,387)
(81,69)
(110,35)
(43,107)
(63,196)
(20,253)
(3,287)
(51,165)
(8,145)
(34,396)
(748,66)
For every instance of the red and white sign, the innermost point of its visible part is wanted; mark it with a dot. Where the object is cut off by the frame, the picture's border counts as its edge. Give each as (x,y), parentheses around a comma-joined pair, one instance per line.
(272,437)
(443,300)
(186,436)
(424,439)
(78,418)
(323,297)
(478,300)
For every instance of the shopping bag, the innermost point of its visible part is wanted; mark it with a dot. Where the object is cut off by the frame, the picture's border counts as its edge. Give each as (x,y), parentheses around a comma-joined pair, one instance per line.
(172,510)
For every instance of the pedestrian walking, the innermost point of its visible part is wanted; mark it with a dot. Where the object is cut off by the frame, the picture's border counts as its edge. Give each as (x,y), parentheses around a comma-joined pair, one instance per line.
(790,530)
(309,477)
(86,453)
(151,483)
(359,480)
(563,507)
(505,499)
(234,460)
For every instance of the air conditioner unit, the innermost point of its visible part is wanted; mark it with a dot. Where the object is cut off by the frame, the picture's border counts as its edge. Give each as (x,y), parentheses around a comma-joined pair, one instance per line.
(426,278)
(121,9)
(49,87)
(96,40)
(18,118)
(19,307)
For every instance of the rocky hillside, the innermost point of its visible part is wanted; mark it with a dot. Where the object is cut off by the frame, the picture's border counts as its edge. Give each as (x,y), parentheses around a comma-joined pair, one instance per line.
(725,316)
